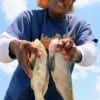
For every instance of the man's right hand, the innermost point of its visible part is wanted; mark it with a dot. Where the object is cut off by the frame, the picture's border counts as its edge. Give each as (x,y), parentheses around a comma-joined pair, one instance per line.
(22,49)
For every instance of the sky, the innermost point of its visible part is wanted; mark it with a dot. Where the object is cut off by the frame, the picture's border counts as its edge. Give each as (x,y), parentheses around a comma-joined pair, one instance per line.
(86,80)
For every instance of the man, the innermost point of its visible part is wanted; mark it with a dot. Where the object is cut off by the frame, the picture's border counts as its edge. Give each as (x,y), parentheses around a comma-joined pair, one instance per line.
(52,21)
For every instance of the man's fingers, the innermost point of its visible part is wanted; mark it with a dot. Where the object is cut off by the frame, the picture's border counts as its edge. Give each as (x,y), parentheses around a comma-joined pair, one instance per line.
(26,68)
(68,45)
(66,57)
(36,51)
(60,46)
(23,60)
(28,71)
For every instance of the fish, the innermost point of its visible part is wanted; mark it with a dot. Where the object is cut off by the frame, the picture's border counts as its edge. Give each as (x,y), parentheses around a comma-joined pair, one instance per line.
(60,71)
(40,79)
(62,76)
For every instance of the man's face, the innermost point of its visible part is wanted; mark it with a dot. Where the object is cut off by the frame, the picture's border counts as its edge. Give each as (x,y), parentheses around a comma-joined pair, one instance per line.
(59,6)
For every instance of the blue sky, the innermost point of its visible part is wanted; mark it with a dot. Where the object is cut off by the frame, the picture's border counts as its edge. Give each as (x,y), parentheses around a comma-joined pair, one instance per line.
(86,80)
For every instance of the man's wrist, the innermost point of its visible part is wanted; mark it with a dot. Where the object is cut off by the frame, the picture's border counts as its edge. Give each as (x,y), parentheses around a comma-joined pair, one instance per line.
(11,51)
(78,57)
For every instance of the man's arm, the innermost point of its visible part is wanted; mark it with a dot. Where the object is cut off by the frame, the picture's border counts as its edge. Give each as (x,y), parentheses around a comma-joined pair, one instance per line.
(5,39)
(84,55)
(89,53)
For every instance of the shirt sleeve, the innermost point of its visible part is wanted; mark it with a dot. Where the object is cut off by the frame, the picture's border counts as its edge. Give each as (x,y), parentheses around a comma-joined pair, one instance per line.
(5,39)
(21,26)
(84,32)
(89,53)
(86,43)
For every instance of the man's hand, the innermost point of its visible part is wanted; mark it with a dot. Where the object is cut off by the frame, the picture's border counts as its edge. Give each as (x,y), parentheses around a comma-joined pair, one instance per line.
(69,50)
(22,50)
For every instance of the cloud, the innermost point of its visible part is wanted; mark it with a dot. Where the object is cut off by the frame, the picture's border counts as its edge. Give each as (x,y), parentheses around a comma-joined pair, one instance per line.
(11,8)
(83,72)
(96,93)
(8,68)
(98,84)
(79,72)
(84,3)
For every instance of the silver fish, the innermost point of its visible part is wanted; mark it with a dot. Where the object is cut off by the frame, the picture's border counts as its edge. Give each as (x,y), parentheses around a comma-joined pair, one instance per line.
(61,74)
(40,79)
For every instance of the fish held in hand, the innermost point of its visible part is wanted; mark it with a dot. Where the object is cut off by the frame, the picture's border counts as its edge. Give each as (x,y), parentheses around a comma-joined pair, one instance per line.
(61,73)
(62,76)
(40,79)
